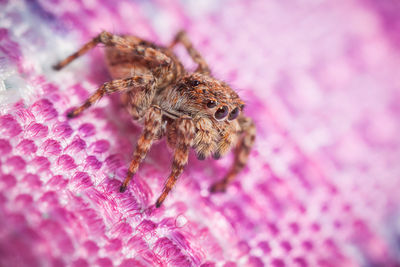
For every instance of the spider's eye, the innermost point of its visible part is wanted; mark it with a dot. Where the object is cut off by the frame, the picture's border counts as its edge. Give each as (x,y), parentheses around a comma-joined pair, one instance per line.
(233,115)
(194,83)
(221,113)
(211,104)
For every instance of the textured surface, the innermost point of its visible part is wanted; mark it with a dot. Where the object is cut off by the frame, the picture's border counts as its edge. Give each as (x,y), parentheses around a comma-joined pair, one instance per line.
(321,81)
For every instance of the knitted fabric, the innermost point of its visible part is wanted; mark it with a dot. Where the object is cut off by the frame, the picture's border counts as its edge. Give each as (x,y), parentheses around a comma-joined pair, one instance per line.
(320,79)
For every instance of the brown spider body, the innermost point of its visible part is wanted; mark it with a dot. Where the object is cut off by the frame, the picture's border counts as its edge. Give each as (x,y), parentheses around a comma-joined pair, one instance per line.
(193,110)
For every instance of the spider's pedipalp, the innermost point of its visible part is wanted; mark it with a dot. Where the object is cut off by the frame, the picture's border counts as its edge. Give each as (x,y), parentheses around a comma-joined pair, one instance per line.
(242,151)
(184,139)
(228,136)
(204,140)
(152,125)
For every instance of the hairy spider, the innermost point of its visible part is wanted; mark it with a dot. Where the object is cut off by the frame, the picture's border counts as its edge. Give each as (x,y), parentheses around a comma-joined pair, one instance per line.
(193,110)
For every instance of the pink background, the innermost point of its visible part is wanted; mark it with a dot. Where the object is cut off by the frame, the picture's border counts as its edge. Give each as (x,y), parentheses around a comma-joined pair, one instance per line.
(321,80)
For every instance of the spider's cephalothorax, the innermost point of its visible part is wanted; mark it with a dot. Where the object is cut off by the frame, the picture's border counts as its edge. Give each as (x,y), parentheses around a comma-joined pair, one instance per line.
(193,110)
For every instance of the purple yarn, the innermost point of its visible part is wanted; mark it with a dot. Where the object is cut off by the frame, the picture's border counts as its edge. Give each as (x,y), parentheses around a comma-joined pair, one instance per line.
(320,79)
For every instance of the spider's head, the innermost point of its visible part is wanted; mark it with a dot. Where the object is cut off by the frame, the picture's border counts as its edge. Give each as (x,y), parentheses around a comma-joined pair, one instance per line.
(206,96)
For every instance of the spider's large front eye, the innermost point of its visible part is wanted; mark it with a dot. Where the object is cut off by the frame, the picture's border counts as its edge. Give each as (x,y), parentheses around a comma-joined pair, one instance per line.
(221,113)
(233,115)
(211,104)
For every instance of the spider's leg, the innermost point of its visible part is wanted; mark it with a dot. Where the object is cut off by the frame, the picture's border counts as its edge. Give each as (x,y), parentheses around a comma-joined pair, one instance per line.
(184,139)
(104,37)
(131,43)
(119,85)
(242,152)
(181,37)
(152,125)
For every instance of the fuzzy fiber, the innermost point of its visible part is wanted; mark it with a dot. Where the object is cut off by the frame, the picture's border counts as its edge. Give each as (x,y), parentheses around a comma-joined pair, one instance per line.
(322,187)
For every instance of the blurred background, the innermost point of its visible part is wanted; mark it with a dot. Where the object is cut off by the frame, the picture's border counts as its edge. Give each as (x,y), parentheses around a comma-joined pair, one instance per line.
(321,80)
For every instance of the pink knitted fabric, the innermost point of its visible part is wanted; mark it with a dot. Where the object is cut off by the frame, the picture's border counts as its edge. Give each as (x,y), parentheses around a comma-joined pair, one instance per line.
(321,81)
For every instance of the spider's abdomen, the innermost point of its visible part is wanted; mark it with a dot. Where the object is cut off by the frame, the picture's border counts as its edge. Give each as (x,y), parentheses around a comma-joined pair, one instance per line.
(147,59)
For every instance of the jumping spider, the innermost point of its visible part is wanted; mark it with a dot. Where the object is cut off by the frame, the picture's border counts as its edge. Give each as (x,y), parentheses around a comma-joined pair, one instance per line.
(190,109)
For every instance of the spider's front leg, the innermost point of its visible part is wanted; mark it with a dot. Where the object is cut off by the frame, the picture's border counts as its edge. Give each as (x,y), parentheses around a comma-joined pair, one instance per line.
(242,151)
(152,125)
(184,128)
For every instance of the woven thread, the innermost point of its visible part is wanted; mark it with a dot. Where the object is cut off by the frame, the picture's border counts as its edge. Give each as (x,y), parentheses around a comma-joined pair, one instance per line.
(322,185)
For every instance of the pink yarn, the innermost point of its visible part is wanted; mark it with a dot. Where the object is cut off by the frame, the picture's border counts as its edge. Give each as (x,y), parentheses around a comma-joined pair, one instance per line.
(320,79)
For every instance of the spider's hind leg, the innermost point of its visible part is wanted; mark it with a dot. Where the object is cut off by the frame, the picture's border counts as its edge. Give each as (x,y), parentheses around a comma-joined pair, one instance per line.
(104,37)
(129,43)
(181,37)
